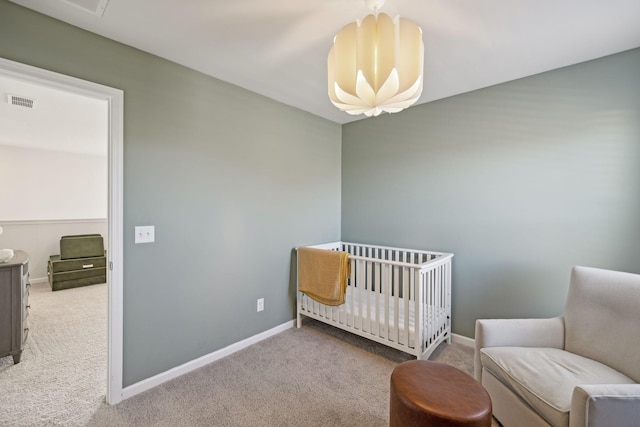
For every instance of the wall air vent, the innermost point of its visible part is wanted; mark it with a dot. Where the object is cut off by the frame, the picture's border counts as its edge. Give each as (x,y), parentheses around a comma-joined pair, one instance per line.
(21,101)
(95,7)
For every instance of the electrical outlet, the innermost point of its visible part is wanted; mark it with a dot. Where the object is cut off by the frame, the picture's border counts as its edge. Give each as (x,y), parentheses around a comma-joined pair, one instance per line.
(260,305)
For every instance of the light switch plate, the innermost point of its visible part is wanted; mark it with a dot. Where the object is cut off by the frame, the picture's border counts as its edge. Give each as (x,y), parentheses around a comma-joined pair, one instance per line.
(145,234)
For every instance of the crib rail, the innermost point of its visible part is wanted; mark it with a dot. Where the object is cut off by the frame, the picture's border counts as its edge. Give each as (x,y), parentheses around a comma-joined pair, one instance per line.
(398,297)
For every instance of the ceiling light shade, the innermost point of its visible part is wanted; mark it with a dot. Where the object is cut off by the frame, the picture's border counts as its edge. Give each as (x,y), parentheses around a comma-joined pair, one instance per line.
(376,65)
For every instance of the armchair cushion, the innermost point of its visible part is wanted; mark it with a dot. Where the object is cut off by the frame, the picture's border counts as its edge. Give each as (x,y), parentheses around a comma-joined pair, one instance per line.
(545,377)
(601,317)
(517,333)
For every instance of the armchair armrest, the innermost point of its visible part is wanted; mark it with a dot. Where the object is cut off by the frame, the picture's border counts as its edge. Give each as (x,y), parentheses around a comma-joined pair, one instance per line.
(605,405)
(516,333)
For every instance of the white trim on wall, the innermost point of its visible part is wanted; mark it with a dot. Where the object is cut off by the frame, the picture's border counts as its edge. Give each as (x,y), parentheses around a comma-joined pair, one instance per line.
(462,340)
(52,221)
(115,99)
(115,247)
(172,373)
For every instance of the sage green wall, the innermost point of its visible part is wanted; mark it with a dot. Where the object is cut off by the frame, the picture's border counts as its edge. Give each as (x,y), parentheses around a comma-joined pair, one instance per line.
(231,180)
(520,181)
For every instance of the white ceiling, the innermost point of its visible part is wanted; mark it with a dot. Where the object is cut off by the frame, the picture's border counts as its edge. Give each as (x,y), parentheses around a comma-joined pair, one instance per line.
(278,48)
(58,121)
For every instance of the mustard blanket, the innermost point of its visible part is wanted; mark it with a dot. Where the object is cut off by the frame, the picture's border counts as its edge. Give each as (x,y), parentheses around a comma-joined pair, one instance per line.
(323,274)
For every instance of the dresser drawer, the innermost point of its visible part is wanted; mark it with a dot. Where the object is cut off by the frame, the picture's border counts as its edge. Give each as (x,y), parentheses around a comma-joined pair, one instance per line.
(25,301)
(25,335)
(25,288)
(14,305)
(25,312)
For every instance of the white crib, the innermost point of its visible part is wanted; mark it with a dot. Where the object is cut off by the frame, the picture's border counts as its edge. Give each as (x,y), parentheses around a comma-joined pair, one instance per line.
(397,297)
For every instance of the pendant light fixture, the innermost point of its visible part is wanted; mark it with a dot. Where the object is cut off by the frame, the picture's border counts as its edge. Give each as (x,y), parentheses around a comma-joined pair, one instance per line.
(376,64)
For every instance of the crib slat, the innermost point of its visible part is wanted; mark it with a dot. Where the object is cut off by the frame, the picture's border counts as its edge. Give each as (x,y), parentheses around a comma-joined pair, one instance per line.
(436,303)
(396,297)
(405,296)
(440,297)
(359,314)
(368,325)
(429,307)
(376,311)
(386,288)
(433,305)
(418,322)
(349,315)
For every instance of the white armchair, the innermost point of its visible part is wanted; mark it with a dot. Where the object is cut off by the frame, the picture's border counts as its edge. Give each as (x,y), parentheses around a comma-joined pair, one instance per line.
(579,369)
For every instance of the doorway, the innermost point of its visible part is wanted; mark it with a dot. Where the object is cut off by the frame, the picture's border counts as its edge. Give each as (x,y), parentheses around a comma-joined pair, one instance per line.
(115,100)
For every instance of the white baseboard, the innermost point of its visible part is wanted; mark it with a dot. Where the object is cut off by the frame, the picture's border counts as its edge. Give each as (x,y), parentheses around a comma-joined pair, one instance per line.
(172,373)
(36,280)
(462,340)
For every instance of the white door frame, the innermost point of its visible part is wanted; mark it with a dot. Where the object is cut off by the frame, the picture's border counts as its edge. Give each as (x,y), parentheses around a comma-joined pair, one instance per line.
(115,99)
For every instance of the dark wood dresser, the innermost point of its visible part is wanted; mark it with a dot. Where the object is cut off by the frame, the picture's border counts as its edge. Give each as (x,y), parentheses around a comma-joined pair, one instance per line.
(14,305)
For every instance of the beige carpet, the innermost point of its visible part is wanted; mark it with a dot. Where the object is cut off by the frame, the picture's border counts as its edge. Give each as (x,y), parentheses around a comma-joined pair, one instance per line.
(62,376)
(313,376)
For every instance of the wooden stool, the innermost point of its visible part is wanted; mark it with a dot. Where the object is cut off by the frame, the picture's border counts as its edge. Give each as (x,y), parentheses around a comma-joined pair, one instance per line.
(425,393)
